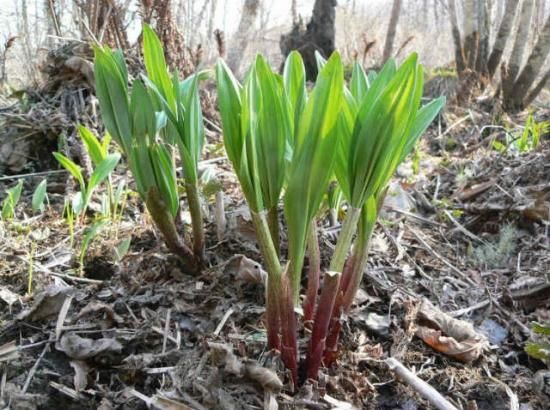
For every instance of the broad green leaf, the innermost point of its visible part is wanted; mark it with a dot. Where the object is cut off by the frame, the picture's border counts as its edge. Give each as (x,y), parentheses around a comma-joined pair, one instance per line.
(77,203)
(142,112)
(313,159)
(294,76)
(539,351)
(111,80)
(39,196)
(93,147)
(155,64)
(165,176)
(11,200)
(72,168)
(102,171)
(192,141)
(229,102)
(122,248)
(359,83)
(541,329)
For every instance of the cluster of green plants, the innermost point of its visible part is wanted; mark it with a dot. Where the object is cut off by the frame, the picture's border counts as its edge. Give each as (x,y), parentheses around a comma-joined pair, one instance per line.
(288,144)
(149,119)
(525,141)
(333,147)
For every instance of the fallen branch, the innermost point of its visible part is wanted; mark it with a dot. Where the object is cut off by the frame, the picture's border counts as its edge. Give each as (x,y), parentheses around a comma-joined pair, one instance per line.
(420,386)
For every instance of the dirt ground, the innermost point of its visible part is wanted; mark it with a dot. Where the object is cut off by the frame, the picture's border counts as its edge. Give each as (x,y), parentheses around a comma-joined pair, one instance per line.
(464,227)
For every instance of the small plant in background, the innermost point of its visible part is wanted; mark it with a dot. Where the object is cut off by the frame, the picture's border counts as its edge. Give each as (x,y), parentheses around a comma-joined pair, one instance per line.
(13,195)
(527,140)
(104,164)
(539,347)
(40,196)
(148,121)
(280,138)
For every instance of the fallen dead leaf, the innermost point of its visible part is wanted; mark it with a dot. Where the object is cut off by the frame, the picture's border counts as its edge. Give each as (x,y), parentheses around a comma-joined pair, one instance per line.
(222,355)
(246,269)
(81,348)
(108,316)
(9,351)
(47,303)
(8,296)
(81,370)
(452,337)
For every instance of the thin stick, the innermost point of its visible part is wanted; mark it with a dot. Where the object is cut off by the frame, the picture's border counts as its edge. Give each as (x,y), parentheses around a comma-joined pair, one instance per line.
(33,369)
(222,322)
(166,330)
(423,388)
(442,259)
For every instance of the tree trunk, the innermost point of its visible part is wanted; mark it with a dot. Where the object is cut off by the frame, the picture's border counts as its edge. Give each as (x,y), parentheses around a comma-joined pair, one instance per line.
(459,52)
(392,29)
(471,33)
(483,25)
(518,50)
(319,36)
(532,70)
(242,36)
(502,36)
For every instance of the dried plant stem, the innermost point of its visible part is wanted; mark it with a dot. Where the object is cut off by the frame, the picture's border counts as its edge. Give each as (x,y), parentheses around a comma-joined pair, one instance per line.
(193,198)
(314,271)
(331,283)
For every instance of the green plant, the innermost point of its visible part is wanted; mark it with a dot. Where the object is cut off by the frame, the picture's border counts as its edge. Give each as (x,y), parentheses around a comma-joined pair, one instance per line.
(40,196)
(159,113)
(104,164)
(360,134)
(527,140)
(11,201)
(89,235)
(540,349)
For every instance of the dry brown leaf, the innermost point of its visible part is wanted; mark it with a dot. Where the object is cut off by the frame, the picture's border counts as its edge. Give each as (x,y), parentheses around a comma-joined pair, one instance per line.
(222,355)
(80,348)
(81,370)
(452,337)
(266,377)
(9,351)
(108,316)
(47,303)
(246,269)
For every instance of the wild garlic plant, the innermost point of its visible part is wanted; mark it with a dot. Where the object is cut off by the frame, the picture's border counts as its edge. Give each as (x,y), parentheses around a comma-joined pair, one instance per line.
(286,142)
(157,114)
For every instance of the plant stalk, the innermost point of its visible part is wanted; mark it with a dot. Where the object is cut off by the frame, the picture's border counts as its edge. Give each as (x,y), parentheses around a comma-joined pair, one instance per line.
(314,271)
(193,198)
(166,225)
(344,239)
(274,286)
(273,222)
(331,283)
(335,325)
(289,347)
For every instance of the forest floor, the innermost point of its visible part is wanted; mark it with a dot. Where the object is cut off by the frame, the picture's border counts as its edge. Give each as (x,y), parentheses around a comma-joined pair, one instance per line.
(464,226)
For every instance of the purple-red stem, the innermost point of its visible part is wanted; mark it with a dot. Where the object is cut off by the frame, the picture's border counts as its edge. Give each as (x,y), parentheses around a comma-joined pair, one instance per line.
(314,271)
(273,313)
(335,325)
(289,349)
(331,283)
